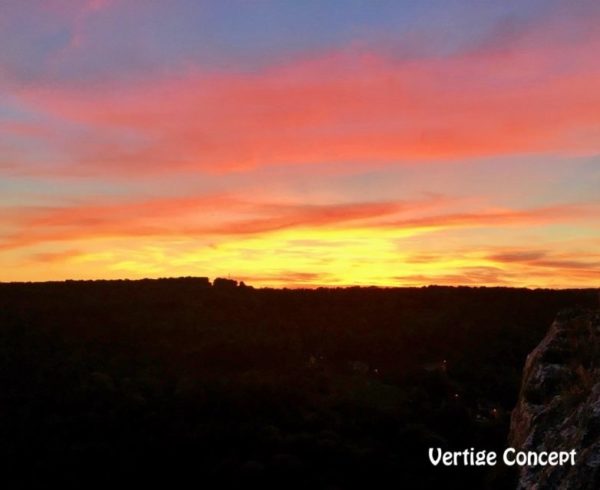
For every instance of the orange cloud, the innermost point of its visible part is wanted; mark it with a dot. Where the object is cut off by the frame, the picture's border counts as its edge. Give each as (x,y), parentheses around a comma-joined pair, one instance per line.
(205,216)
(228,216)
(503,217)
(55,257)
(589,262)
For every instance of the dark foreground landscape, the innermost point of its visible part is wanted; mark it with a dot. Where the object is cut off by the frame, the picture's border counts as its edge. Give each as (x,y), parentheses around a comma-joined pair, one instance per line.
(170,381)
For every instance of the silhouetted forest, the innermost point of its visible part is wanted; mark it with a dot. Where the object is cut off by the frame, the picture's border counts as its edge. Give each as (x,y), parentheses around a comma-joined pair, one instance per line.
(107,383)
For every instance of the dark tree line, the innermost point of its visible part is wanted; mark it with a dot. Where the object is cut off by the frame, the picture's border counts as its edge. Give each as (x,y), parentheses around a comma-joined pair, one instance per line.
(159,381)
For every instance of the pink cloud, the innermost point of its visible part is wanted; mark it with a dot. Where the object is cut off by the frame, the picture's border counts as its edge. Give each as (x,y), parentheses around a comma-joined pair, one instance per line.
(343,106)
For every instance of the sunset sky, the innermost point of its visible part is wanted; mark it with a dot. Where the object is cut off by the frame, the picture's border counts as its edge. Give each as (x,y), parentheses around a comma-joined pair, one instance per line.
(301,143)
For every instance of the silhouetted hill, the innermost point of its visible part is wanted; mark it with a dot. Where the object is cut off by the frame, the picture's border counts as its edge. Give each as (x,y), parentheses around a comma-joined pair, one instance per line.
(156,381)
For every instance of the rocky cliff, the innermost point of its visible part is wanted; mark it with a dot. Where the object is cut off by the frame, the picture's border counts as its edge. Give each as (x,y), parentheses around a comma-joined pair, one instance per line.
(559,404)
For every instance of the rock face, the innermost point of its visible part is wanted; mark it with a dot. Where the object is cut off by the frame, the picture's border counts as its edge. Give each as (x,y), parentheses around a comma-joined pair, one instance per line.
(559,404)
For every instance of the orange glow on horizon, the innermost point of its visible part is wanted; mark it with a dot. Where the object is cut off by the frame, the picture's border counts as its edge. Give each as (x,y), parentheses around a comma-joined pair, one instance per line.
(307,257)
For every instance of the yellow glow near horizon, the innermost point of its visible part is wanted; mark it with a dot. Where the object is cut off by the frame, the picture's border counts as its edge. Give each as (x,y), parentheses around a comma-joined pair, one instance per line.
(294,258)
